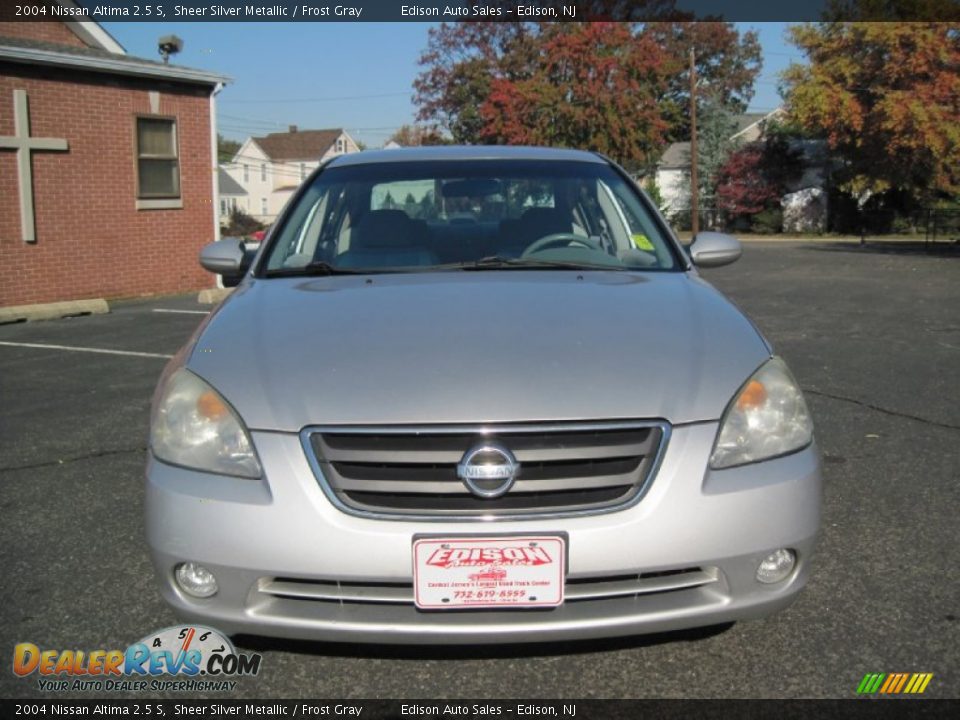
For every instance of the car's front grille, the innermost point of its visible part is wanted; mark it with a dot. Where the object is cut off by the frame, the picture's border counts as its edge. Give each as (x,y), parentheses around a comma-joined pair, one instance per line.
(564,469)
(576,589)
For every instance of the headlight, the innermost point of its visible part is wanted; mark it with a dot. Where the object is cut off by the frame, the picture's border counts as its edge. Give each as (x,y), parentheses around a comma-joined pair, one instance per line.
(768,417)
(194,427)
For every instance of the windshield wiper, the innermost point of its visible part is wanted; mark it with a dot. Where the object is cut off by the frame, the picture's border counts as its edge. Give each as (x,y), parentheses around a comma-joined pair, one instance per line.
(498,262)
(318,267)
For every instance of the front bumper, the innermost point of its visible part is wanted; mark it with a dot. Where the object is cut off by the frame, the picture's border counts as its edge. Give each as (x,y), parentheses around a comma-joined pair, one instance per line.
(706,530)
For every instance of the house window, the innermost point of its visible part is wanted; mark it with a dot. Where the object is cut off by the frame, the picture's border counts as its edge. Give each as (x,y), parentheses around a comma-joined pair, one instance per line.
(263,172)
(158,166)
(339,144)
(223,207)
(303,172)
(263,206)
(246,173)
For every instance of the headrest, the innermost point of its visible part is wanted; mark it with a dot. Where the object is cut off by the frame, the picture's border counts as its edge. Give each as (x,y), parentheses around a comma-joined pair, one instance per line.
(385,228)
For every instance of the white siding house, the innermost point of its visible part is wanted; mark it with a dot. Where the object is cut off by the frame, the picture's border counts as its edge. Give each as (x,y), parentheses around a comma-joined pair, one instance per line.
(232,196)
(271,167)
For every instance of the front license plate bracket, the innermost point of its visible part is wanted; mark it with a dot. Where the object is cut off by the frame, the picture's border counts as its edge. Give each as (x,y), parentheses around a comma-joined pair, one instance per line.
(490,571)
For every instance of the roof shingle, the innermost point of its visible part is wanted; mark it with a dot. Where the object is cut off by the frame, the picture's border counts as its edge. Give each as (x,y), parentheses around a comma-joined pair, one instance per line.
(298,145)
(228,186)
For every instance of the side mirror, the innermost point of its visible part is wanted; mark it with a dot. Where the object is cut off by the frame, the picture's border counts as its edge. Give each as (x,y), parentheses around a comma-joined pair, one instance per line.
(228,257)
(713,249)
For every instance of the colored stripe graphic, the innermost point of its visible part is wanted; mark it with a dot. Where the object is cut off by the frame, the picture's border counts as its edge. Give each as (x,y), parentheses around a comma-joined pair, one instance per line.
(903,680)
(877,679)
(892,680)
(894,683)
(870,683)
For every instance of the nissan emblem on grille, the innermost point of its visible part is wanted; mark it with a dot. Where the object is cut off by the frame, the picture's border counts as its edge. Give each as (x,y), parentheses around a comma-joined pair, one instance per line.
(488,470)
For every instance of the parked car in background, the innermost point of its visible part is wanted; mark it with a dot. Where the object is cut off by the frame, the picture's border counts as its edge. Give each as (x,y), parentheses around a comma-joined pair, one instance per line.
(451,359)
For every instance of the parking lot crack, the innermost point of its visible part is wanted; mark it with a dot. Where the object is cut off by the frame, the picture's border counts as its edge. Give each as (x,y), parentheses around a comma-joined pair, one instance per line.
(885,411)
(78,458)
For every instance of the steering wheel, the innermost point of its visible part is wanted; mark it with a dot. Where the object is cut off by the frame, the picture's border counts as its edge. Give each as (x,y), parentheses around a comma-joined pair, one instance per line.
(561,240)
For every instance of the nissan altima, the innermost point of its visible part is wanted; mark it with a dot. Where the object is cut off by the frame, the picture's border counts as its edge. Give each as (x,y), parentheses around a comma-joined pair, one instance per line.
(477,395)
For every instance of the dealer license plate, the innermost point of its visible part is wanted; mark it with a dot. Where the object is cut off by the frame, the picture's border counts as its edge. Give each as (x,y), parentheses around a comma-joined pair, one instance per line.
(502,571)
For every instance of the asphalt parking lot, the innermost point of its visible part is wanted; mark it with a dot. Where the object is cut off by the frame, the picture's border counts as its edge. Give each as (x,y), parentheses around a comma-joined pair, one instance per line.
(872,334)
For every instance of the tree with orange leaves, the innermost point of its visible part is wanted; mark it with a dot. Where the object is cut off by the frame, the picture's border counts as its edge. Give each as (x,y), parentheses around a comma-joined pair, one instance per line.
(886,97)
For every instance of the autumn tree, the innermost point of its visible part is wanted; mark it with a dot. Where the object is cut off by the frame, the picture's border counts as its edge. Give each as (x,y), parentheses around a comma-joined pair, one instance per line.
(416,135)
(459,62)
(757,175)
(743,187)
(886,97)
(607,103)
(616,87)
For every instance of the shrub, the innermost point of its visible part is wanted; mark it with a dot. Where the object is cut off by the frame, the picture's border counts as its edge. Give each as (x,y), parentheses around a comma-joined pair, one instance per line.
(241,224)
(768,221)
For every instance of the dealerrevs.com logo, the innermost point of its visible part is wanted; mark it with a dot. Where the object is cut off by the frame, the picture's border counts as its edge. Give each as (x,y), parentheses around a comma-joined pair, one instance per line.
(182,658)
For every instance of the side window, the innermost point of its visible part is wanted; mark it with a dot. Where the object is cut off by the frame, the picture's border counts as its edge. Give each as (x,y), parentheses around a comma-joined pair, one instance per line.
(263,172)
(158,163)
(246,173)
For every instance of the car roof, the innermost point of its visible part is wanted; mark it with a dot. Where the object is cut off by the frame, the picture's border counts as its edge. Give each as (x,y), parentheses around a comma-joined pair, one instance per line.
(464,152)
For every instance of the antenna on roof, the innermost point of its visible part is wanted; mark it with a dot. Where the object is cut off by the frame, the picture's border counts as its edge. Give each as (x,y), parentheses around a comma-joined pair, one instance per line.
(169,45)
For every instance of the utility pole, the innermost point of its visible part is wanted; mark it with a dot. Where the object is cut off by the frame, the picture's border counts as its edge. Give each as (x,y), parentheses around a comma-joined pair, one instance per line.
(694,186)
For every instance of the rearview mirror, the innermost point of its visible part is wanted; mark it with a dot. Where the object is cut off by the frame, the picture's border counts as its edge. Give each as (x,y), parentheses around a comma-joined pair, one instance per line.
(713,249)
(228,257)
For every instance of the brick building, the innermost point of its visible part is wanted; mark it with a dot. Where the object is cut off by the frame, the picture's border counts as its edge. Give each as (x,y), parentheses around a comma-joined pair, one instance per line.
(108,174)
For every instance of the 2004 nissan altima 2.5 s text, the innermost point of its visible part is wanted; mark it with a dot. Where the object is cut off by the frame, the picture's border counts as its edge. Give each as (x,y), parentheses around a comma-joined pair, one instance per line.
(477,394)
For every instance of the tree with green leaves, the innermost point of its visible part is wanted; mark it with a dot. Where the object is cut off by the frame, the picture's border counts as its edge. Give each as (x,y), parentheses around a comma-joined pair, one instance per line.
(716,125)
(652,189)
(226,148)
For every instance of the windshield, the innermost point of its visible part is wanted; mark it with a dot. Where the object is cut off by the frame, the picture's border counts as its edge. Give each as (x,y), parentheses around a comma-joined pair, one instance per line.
(478,214)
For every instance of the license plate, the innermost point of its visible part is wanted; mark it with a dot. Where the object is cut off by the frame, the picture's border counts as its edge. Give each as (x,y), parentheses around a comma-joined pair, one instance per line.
(502,571)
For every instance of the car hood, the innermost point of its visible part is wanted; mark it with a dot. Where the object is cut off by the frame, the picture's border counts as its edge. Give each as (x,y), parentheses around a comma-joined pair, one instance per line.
(476,347)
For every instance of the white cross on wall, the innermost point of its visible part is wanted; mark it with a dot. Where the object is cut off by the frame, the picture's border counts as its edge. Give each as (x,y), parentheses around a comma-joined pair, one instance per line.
(23,144)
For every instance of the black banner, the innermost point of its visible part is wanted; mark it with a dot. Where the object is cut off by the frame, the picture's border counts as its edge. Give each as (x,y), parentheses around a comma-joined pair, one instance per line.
(905,709)
(472,10)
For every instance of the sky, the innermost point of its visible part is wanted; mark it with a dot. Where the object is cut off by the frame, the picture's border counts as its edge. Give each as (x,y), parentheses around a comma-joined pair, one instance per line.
(357,76)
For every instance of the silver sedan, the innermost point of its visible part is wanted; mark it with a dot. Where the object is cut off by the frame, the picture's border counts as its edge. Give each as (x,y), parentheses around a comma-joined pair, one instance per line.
(480,394)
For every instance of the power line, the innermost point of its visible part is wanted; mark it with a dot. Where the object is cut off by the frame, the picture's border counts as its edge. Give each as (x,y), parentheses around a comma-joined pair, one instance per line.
(324,99)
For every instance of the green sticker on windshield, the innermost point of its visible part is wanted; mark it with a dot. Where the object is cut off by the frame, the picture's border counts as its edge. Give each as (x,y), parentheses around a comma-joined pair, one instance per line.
(641,241)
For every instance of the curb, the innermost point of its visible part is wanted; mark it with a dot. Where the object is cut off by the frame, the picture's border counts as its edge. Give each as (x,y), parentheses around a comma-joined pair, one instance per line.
(53,311)
(211,296)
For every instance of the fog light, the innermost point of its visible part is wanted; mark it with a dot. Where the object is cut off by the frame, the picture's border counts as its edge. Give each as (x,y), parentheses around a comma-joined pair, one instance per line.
(776,566)
(196,580)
